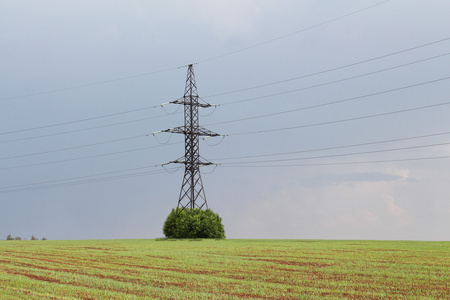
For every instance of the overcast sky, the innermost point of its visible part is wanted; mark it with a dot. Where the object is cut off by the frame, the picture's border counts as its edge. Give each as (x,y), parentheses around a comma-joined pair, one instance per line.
(336,115)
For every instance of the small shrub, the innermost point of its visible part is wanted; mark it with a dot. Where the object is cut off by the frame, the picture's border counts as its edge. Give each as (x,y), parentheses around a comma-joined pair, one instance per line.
(198,224)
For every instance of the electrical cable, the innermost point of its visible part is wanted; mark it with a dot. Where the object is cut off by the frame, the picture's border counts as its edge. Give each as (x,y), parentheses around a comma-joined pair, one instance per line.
(117,177)
(82,120)
(169,114)
(78,177)
(239,101)
(333,69)
(341,120)
(171,170)
(290,34)
(337,147)
(341,80)
(239,157)
(212,171)
(87,85)
(242,133)
(341,154)
(207,115)
(80,130)
(245,100)
(216,144)
(343,163)
(176,68)
(163,143)
(328,103)
(71,148)
(87,157)
(53,183)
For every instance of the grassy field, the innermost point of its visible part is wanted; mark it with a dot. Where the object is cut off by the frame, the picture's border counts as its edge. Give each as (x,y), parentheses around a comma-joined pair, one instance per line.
(224,269)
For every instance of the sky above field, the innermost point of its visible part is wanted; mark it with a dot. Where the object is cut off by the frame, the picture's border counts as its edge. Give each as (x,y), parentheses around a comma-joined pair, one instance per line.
(336,116)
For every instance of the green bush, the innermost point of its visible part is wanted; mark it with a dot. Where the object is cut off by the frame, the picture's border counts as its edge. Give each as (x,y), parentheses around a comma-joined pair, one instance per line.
(198,224)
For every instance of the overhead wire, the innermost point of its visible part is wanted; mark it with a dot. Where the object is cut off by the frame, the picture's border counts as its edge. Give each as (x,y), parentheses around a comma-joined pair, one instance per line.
(343,79)
(87,157)
(61,182)
(231,53)
(30,187)
(267,115)
(80,130)
(341,154)
(254,87)
(239,101)
(232,158)
(80,177)
(339,147)
(331,69)
(327,103)
(343,163)
(341,120)
(80,120)
(291,34)
(87,85)
(74,147)
(201,61)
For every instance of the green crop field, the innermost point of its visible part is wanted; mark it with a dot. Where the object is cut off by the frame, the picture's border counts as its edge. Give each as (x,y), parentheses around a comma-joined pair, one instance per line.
(224,269)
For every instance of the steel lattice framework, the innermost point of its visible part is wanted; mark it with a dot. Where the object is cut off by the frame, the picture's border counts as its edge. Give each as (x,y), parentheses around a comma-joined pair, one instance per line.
(192,194)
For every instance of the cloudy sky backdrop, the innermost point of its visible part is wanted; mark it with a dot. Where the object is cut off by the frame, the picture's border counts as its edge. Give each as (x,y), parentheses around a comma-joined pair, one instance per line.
(336,115)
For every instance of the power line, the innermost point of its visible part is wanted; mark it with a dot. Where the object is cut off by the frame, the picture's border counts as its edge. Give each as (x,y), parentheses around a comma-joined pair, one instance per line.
(310,125)
(87,157)
(343,163)
(83,120)
(232,158)
(71,148)
(338,147)
(324,104)
(245,89)
(80,130)
(341,154)
(342,120)
(242,133)
(60,182)
(202,61)
(345,79)
(79,177)
(86,85)
(53,184)
(291,34)
(29,187)
(329,70)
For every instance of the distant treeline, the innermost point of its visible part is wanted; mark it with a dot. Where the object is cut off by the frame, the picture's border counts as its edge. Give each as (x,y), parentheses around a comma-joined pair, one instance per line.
(18,238)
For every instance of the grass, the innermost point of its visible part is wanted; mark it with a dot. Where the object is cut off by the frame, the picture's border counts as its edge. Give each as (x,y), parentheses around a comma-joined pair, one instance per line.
(224,269)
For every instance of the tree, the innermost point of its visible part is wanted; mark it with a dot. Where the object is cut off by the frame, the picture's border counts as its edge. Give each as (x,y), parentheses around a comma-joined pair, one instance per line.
(193,225)
(9,238)
(33,238)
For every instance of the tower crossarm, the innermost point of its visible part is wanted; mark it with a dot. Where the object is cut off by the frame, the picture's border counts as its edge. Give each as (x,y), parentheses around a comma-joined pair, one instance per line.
(199,131)
(187,101)
(199,163)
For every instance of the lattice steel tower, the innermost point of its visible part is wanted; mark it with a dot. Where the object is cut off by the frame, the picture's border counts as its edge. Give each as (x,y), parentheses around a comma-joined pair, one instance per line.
(192,194)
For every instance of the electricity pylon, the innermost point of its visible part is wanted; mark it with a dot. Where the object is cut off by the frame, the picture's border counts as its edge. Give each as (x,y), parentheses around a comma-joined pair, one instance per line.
(192,194)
